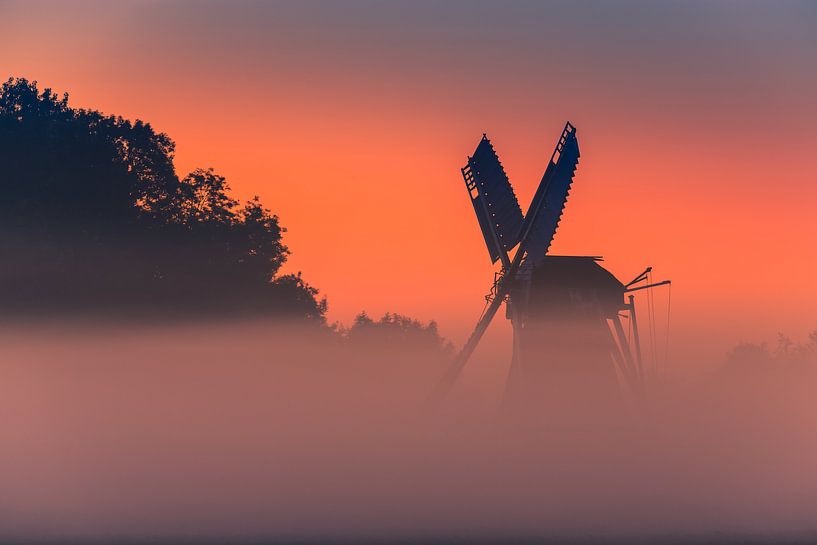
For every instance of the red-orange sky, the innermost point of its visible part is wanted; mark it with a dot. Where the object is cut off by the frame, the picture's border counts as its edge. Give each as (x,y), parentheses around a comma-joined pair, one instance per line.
(697,125)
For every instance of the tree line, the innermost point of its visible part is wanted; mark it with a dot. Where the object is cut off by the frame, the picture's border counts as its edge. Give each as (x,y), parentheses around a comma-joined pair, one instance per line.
(94,219)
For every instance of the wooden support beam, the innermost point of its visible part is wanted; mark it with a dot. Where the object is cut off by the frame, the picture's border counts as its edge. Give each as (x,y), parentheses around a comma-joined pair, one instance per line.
(636,338)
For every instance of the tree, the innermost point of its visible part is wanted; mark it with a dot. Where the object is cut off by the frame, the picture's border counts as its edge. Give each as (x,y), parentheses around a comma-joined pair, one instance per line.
(399,332)
(788,355)
(93,215)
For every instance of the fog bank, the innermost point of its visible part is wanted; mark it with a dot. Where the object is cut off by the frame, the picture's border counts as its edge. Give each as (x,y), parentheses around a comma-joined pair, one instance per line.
(265,431)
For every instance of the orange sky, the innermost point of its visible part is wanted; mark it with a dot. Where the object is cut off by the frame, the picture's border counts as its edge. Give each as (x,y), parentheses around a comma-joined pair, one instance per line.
(697,125)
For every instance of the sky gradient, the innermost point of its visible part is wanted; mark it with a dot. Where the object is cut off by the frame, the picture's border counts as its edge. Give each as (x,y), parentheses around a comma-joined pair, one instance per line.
(697,124)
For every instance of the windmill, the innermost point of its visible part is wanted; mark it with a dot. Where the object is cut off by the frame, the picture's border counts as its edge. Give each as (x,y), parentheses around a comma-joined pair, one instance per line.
(565,310)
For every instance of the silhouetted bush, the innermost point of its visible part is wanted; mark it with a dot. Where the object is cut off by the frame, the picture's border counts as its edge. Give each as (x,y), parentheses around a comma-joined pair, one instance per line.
(787,357)
(398,332)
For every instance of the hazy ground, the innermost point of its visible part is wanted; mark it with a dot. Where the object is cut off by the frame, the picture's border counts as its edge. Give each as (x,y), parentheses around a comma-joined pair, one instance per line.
(259,431)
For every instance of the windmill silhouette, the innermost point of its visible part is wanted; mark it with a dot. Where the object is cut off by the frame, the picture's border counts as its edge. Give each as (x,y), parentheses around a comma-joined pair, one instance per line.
(565,310)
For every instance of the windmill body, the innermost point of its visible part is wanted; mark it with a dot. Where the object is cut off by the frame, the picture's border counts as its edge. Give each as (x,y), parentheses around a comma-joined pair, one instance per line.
(562,338)
(569,343)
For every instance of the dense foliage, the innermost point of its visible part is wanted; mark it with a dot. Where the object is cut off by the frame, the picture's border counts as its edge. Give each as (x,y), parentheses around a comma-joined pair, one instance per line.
(94,217)
(398,332)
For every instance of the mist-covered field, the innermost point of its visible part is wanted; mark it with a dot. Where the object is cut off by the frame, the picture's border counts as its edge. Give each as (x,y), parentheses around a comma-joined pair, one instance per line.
(260,431)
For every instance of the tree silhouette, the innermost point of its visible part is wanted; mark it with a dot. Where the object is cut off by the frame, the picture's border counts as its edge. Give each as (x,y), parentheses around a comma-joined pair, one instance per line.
(94,217)
(398,332)
(788,355)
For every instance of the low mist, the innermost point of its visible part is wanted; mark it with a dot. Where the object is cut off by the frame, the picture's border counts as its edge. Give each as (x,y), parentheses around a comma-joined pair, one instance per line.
(262,430)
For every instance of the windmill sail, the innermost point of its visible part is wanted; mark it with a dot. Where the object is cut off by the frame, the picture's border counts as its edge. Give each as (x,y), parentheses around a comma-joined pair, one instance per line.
(503,226)
(495,204)
(560,172)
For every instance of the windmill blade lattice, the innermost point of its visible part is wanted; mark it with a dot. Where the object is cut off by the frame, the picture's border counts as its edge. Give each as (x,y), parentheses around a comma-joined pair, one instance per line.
(495,204)
(554,193)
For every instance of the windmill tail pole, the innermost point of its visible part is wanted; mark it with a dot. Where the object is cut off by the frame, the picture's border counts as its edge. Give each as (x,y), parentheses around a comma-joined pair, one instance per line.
(453,372)
(636,337)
